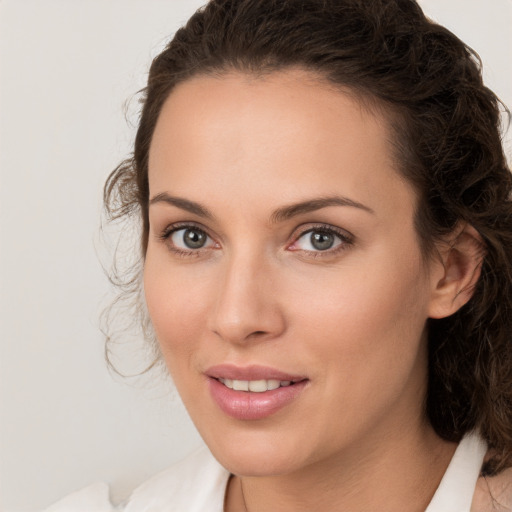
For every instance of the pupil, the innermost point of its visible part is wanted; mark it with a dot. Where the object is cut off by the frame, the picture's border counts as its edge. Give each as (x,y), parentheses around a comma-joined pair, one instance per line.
(321,240)
(194,239)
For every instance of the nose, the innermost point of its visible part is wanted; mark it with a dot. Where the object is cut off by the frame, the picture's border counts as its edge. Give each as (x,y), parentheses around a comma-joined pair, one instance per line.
(247,305)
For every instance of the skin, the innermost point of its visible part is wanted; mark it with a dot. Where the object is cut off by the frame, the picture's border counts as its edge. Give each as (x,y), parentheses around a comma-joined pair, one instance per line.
(350,318)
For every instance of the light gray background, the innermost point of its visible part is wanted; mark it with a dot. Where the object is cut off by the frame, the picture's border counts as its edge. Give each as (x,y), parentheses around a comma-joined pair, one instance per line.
(66,69)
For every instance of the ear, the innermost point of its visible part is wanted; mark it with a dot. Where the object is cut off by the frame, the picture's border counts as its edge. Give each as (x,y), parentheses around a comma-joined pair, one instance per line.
(454,279)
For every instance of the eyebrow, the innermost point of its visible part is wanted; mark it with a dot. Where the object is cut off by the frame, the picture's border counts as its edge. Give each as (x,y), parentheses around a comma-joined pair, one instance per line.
(287,212)
(183,204)
(279,215)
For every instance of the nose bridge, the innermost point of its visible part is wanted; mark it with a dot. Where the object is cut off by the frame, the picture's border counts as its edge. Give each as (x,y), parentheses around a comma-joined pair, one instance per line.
(246,305)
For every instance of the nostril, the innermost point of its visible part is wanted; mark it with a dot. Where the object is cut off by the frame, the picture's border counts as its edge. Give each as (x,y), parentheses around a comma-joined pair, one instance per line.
(257,334)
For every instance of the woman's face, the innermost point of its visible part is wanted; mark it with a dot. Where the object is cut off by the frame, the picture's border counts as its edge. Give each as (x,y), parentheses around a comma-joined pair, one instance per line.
(282,248)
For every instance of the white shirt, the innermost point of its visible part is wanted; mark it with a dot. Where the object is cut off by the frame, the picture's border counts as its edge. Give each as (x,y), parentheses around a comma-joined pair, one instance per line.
(198,484)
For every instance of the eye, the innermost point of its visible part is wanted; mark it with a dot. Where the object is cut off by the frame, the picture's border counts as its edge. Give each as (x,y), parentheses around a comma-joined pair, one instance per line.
(321,239)
(190,238)
(318,240)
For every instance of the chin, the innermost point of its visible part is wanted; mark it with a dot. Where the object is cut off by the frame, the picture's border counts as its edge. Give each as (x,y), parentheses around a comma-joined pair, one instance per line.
(257,455)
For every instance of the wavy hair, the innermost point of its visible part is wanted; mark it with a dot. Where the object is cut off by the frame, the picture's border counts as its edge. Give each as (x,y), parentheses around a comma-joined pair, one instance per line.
(446,128)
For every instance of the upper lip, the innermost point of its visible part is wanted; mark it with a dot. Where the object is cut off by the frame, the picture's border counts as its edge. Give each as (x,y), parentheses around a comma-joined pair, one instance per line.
(252,372)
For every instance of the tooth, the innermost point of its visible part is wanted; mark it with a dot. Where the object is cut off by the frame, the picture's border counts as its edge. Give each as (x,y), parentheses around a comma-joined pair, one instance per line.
(285,383)
(228,383)
(272,384)
(222,380)
(258,385)
(241,385)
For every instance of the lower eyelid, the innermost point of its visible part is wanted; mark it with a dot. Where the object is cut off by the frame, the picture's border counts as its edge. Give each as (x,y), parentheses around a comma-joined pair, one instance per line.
(165,235)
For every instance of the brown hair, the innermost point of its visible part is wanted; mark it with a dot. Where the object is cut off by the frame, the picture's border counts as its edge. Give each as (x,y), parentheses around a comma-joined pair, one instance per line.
(449,147)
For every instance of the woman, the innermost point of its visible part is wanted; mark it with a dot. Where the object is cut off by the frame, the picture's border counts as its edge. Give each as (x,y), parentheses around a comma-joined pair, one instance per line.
(326,237)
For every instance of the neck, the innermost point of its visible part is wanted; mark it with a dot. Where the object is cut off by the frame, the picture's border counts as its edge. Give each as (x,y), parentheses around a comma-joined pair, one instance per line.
(396,472)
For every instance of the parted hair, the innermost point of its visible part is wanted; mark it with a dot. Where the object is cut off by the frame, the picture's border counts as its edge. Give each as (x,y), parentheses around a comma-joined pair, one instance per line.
(447,142)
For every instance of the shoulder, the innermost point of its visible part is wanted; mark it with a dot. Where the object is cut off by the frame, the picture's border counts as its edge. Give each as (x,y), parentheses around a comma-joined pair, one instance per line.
(197,483)
(493,494)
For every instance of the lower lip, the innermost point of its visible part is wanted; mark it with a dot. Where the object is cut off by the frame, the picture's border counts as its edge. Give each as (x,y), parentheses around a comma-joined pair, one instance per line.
(247,405)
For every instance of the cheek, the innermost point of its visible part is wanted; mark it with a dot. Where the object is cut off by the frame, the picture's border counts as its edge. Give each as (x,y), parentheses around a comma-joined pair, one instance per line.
(365,337)
(175,303)
(367,321)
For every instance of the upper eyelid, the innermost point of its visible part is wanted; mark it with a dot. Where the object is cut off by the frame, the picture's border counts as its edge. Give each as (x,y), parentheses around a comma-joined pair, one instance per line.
(308,227)
(167,233)
(345,237)
(296,233)
(176,226)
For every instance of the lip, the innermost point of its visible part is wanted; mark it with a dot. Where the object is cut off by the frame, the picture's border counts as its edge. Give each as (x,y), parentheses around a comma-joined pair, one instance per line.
(252,372)
(247,405)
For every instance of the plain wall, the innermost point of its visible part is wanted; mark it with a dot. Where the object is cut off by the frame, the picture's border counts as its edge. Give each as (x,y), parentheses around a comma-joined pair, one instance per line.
(66,70)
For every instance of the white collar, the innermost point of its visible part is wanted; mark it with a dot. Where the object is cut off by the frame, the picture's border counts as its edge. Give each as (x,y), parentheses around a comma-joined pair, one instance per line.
(198,483)
(455,492)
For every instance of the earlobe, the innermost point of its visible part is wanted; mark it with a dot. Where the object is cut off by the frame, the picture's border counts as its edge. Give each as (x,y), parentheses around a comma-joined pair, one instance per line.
(460,265)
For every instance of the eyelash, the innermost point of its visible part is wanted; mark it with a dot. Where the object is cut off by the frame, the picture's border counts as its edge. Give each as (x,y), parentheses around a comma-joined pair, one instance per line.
(345,238)
(167,233)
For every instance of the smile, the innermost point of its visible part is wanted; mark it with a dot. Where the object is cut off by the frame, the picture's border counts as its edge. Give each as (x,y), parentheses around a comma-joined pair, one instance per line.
(253,392)
(255,386)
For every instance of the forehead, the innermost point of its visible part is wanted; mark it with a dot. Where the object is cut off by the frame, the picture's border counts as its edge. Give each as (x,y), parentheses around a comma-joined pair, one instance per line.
(287,131)
(297,101)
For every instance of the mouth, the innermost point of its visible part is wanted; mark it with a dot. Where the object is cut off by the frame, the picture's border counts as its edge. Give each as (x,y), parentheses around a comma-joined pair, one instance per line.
(253,392)
(257,375)
(256,386)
